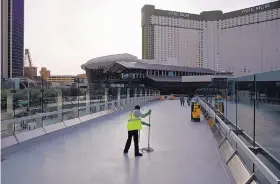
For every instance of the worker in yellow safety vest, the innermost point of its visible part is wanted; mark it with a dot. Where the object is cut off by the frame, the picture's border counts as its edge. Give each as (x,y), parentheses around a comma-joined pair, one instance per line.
(134,125)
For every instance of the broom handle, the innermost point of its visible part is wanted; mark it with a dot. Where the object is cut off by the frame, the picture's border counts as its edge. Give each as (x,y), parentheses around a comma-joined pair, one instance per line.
(149,132)
(139,136)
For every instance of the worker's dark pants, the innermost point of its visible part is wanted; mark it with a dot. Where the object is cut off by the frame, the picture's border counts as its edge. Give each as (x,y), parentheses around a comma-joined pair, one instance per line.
(183,103)
(134,134)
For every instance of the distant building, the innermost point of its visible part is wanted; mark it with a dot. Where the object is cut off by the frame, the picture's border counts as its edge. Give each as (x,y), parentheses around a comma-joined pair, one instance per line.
(244,41)
(82,78)
(61,79)
(45,73)
(125,70)
(30,72)
(12,38)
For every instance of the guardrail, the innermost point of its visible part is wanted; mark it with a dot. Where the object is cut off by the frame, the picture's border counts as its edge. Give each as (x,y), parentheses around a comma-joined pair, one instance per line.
(227,136)
(14,136)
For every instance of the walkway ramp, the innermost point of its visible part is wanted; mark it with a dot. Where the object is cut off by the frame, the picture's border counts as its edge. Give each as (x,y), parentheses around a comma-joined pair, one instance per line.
(185,153)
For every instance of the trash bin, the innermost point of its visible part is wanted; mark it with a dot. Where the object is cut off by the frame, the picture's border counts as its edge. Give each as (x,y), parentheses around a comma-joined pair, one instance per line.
(195,111)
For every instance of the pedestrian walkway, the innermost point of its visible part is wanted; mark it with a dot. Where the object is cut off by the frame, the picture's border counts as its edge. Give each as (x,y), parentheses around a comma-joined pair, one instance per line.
(185,153)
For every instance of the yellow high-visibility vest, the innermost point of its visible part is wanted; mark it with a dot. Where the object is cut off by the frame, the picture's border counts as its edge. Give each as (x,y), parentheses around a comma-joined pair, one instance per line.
(134,123)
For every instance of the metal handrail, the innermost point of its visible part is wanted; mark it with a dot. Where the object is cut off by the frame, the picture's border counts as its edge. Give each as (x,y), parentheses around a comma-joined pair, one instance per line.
(260,165)
(41,115)
(274,161)
(270,176)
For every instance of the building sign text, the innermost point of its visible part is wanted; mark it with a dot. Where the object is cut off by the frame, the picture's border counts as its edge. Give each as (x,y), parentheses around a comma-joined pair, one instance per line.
(256,8)
(177,14)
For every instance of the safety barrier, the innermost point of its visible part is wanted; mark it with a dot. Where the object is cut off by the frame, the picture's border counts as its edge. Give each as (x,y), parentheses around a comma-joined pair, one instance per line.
(226,137)
(16,137)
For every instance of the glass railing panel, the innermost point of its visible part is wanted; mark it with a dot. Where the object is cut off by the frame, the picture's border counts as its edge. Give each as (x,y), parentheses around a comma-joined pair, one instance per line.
(93,109)
(251,104)
(23,124)
(48,100)
(83,112)
(68,115)
(267,115)
(102,107)
(7,128)
(52,119)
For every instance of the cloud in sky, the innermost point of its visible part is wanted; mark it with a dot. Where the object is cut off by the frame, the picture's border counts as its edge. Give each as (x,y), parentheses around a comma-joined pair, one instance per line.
(63,34)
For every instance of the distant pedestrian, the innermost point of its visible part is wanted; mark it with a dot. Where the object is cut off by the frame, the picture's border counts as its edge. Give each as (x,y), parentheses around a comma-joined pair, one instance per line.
(182,100)
(189,99)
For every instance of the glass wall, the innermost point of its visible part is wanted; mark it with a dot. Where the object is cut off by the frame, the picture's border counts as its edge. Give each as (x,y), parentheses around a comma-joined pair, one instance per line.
(252,105)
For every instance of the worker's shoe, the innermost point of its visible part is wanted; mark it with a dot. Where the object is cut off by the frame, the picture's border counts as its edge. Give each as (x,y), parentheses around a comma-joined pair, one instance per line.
(138,154)
(125,152)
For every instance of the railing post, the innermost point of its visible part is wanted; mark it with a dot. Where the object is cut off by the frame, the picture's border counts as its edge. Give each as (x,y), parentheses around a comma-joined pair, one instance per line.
(156,94)
(135,97)
(141,100)
(97,107)
(112,104)
(124,103)
(119,97)
(145,94)
(10,103)
(59,105)
(127,97)
(254,120)
(88,101)
(75,112)
(78,80)
(106,98)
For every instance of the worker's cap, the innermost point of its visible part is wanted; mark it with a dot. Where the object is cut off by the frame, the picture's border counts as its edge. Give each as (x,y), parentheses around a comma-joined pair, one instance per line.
(137,107)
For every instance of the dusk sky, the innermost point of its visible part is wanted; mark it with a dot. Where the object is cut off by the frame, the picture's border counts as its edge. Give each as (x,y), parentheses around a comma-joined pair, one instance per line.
(63,34)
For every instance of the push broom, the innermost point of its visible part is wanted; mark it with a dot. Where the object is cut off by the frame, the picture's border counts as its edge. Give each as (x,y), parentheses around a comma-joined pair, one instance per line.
(148,149)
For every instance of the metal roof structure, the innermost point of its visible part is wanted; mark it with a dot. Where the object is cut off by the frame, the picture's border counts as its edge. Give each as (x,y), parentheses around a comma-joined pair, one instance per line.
(265,76)
(147,66)
(165,78)
(132,62)
(62,76)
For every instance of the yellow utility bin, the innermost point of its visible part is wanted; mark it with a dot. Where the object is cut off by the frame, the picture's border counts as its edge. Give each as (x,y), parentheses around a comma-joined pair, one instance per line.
(195,112)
